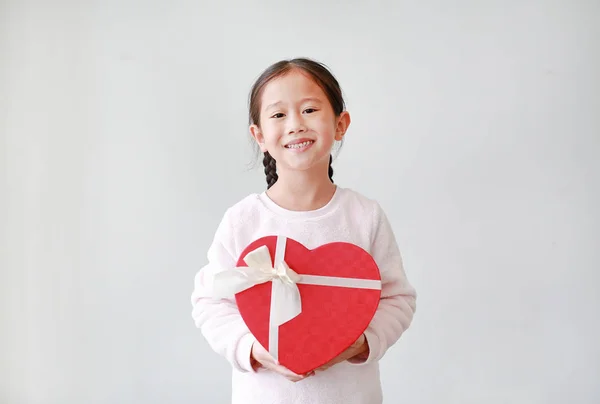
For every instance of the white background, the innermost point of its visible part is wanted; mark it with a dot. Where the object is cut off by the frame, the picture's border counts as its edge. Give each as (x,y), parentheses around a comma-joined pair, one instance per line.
(476,124)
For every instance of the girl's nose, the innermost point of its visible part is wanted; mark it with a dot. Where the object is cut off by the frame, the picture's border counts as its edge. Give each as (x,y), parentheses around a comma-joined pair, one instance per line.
(296,124)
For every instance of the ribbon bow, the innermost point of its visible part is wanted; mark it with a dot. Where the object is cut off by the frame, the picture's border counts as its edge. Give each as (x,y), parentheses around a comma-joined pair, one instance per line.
(260,270)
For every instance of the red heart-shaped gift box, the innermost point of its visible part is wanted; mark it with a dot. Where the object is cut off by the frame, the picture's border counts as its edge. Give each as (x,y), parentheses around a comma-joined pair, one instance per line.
(332,317)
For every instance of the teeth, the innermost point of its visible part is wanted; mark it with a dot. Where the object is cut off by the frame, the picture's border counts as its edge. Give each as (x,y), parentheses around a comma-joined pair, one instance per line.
(299,145)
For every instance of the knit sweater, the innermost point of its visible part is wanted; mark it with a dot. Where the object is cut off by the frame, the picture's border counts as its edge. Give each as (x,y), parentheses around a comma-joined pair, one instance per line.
(348,217)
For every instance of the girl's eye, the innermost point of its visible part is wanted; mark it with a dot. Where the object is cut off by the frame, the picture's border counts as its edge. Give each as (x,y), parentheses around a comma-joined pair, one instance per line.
(278,115)
(309,110)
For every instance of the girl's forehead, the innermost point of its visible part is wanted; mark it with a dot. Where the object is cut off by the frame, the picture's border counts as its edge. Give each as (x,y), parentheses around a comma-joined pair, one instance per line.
(293,85)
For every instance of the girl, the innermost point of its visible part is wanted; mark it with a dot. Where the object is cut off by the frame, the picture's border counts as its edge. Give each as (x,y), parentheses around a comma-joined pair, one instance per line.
(297,114)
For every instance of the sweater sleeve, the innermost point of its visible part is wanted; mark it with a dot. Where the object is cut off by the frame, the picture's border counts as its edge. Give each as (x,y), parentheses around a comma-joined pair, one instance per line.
(219,320)
(398,298)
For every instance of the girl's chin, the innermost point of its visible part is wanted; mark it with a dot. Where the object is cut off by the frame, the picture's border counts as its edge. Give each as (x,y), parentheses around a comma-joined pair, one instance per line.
(305,167)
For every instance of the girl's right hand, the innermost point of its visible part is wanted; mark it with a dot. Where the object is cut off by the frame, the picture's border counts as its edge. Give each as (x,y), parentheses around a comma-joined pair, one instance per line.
(261,358)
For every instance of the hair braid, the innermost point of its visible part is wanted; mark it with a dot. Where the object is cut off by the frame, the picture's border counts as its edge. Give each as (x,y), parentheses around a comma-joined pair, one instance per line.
(330,168)
(270,169)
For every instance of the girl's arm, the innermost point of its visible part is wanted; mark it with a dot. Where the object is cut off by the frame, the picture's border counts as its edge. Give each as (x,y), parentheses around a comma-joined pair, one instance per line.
(398,298)
(219,320)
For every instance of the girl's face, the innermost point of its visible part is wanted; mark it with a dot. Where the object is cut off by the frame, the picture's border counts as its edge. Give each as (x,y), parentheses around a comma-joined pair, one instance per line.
(298,126)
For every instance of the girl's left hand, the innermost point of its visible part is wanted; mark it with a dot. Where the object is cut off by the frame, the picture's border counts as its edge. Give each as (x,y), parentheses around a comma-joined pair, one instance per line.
(360,347)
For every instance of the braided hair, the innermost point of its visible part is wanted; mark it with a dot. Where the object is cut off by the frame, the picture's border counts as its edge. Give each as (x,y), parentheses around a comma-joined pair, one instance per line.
(271,169)
(318,72)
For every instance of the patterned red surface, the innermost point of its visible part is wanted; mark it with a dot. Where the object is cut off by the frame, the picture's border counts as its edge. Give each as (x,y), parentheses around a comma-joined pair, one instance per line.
(332,318)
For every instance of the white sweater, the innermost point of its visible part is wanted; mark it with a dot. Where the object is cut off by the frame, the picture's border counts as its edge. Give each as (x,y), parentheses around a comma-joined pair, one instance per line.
(348,217)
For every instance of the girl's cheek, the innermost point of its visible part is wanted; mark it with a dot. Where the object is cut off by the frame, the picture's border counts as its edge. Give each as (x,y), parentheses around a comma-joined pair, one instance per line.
(272,126)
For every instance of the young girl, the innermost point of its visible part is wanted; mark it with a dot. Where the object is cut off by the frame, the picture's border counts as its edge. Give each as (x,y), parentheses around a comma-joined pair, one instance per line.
(297,113)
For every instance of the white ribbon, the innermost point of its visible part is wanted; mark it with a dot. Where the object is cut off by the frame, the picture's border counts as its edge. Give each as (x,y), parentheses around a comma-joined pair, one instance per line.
(285,295)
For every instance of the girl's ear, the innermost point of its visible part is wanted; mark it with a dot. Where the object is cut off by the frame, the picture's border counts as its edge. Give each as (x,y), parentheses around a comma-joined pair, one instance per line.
(343,121)
(258,137)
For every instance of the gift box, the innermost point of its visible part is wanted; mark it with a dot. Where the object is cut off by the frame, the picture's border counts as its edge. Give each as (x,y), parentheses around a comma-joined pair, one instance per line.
(303,306)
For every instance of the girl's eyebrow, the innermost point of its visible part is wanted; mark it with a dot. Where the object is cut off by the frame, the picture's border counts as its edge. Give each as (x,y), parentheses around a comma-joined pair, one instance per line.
(307,99)
(311,99)
(275,104)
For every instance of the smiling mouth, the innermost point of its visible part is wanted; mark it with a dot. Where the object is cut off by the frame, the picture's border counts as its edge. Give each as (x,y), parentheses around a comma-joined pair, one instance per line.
(300,145)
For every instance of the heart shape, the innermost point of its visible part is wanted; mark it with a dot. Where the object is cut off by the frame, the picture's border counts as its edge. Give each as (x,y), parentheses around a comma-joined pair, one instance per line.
(332,317)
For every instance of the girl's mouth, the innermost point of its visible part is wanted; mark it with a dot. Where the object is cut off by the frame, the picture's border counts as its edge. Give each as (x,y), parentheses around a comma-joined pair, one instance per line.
(300,146)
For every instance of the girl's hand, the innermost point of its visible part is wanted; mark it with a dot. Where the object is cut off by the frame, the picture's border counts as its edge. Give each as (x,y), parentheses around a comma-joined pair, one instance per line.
(261,358)
(360,347)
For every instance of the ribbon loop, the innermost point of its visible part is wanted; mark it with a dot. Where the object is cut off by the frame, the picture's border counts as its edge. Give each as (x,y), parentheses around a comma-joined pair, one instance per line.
(260,270)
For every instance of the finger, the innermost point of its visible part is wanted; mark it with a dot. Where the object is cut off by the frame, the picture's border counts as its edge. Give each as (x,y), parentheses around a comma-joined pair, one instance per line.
(309,374)
(335,361)
(287,373)
(329,364)
(295,378)
(298,378)
(326,365)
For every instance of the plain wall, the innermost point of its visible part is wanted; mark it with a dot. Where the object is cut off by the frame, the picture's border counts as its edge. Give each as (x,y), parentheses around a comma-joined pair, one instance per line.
(476,124)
